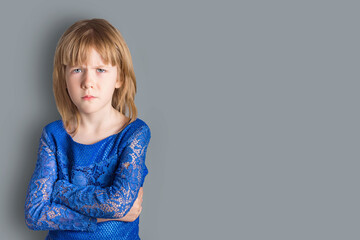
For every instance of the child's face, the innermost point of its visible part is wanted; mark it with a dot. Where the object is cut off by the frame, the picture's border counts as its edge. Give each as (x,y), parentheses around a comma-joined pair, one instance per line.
(94,78)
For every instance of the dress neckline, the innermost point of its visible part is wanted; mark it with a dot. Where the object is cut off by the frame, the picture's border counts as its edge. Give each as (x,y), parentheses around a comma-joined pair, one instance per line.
(98,142)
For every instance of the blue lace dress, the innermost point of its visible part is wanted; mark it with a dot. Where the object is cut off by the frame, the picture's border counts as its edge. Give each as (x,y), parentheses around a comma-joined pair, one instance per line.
(73,184)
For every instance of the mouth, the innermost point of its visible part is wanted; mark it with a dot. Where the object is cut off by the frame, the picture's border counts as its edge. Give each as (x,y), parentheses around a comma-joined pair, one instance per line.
(88,97)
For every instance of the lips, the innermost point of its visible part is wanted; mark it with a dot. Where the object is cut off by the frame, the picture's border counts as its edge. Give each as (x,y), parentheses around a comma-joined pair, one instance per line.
(88,97)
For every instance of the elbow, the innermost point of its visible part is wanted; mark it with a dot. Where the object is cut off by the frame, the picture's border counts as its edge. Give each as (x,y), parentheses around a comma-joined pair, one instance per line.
(30,225)
(32,217)
(30,221)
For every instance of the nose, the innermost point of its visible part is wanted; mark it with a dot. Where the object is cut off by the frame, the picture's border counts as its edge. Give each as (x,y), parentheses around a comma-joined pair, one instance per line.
(87,82)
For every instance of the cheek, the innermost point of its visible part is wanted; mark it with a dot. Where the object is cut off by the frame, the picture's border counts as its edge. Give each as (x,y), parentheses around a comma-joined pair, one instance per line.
(71,89)
(68,82)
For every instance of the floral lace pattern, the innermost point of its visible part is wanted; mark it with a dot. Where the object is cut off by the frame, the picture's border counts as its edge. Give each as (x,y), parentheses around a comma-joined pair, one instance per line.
(65,195)
(40,212)
(115,200)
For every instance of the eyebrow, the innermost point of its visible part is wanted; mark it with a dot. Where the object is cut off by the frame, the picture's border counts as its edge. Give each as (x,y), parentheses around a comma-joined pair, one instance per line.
(100,66)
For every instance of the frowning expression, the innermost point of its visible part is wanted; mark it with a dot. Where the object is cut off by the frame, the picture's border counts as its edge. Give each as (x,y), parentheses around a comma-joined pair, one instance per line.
(91,86)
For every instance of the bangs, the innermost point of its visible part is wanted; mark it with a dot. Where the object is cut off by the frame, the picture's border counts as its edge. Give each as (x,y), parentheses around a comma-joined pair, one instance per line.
(76,49)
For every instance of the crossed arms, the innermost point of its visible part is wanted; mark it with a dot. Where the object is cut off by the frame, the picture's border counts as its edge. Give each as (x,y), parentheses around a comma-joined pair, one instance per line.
(56,204)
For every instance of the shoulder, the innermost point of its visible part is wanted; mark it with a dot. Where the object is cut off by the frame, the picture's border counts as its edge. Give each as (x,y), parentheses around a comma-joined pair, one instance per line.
(138,129)
(52,131)
(141,125)
(53,127)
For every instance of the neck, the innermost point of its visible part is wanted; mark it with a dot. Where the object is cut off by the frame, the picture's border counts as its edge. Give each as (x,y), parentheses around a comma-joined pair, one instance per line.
(96,122)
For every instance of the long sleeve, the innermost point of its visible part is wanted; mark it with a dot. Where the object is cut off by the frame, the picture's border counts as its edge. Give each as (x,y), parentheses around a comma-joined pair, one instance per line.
(40,212)
(117,199)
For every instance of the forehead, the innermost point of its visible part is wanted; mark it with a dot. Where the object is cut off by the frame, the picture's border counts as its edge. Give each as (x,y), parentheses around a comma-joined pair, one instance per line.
(92,58)
(88,52)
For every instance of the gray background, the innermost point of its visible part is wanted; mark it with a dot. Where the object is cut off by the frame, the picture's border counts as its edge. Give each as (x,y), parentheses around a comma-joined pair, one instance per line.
(253,107)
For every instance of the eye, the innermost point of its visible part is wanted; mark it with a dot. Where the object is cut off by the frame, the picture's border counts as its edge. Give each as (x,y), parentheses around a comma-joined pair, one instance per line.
(101,70)
(76,70)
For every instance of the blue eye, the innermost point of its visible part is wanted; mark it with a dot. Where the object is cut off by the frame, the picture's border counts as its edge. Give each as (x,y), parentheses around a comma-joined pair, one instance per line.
(77,70)
(101,70)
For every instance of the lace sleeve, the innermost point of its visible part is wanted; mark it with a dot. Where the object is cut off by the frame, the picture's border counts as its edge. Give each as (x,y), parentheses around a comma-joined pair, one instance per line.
(116,200)
(40,212)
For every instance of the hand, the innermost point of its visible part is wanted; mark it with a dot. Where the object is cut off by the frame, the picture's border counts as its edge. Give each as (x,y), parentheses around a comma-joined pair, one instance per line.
(134,212)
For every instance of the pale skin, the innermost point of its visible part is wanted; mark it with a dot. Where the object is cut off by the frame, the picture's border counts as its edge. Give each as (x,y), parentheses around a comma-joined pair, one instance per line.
(98,119)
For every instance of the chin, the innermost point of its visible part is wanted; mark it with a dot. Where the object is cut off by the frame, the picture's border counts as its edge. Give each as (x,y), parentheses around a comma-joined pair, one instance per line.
(88,110)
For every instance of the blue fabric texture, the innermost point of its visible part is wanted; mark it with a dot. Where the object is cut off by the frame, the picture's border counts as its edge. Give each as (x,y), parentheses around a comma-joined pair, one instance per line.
(74,183)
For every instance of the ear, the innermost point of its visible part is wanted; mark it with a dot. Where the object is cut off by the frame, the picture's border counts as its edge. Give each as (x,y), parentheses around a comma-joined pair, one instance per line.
(118,84)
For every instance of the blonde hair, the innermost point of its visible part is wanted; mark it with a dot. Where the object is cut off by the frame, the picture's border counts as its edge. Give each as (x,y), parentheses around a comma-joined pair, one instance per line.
(72,49)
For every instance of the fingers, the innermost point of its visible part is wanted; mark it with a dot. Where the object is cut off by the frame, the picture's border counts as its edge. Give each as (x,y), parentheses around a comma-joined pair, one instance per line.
(139,200)
(140,194)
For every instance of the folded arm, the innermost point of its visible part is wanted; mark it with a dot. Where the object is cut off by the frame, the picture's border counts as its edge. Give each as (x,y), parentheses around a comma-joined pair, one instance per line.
(116,200)
(133,213)
(40,212)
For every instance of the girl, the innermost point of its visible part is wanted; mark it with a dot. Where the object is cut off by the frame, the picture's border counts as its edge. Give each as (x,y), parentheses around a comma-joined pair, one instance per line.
(90,169)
